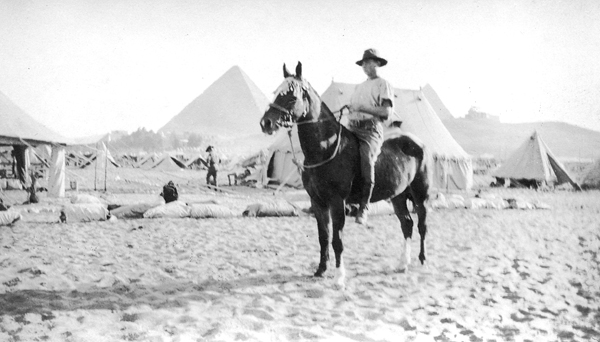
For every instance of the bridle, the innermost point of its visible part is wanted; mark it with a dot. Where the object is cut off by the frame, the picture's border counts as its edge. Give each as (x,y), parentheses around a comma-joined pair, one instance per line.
(288,120)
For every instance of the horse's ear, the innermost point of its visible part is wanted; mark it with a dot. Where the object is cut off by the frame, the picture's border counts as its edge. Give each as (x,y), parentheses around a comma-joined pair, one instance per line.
(299,70)
(286,72)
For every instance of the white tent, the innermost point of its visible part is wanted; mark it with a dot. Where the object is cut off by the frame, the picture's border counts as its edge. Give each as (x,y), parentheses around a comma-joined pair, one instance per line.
(452,165)
(276,163)
(281,166)
(533,160)
(167,162)
(18,129)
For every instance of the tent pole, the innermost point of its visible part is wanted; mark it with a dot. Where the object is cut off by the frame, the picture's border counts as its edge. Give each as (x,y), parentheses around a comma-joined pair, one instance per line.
(290,174)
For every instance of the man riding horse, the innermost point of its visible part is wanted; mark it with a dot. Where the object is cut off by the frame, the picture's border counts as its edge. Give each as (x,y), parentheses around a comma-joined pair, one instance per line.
(370,105)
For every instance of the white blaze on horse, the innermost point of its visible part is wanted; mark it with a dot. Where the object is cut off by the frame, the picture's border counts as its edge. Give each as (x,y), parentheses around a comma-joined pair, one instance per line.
(331,173)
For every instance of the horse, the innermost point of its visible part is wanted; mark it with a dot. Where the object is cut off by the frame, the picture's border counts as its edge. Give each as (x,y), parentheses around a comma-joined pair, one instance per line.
(331,171)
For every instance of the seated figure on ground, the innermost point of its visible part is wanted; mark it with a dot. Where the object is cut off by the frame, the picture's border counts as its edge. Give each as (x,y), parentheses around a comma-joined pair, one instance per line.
(169,192)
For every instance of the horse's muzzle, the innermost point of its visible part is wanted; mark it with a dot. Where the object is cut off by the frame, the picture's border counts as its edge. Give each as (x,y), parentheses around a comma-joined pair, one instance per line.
(267,125)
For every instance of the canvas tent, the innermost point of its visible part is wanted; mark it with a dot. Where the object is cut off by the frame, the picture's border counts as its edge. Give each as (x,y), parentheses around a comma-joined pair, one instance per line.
(437,104)
(533,161)
(21,131)
(452,165)
(232,106)
(196,162)
(167,162)
(280,157)
(19,128)
(276,163)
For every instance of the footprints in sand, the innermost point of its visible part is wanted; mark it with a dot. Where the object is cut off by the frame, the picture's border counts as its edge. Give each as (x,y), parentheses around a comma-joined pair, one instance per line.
(498,277)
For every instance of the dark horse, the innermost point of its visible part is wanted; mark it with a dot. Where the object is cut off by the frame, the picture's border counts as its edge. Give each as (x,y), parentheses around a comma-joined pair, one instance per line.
(331,173)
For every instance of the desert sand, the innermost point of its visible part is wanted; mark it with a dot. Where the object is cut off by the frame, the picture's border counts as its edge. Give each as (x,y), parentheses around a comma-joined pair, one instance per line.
(491,275)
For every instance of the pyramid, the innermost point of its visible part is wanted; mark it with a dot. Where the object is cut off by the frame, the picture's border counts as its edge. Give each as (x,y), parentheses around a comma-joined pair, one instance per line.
(231,106)
(17,125)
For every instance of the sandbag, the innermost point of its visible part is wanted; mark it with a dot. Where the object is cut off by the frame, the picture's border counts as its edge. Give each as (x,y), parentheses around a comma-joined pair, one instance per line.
(270,209)
(455,202)
(85,212)
(209,211)
(9,217)
(133,210)
(517,203)
(85,198)
(175,209)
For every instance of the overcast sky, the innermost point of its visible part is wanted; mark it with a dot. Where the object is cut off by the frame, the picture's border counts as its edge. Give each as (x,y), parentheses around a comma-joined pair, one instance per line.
(86,67)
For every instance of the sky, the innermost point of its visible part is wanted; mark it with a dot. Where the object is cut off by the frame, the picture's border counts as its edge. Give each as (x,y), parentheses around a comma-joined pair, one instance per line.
(87,67)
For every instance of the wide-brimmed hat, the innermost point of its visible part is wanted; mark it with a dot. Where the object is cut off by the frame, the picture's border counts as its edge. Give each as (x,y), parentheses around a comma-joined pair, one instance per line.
(209,148)
(372,54)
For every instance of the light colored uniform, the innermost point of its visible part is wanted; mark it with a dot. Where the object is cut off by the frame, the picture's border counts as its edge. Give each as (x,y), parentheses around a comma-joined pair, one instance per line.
(368,128)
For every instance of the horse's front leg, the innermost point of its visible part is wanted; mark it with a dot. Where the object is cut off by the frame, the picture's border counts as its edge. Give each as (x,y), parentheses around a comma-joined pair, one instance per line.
(338,217)
(323,222)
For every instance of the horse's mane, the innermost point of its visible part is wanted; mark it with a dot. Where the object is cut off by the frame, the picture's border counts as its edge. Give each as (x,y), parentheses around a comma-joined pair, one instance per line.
(325,113)
(300,83)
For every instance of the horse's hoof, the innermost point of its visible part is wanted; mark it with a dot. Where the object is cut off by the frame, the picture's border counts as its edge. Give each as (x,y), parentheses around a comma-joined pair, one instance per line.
(319,273)
(339,286)
(422,259)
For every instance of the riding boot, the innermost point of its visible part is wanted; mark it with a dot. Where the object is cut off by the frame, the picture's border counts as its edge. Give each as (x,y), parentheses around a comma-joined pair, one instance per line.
(363,210)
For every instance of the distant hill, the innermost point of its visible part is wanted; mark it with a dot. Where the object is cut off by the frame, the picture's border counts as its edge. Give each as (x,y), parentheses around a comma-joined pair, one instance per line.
(567,142)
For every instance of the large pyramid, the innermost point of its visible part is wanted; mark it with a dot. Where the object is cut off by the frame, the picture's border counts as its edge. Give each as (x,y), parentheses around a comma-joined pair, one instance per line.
(231,106)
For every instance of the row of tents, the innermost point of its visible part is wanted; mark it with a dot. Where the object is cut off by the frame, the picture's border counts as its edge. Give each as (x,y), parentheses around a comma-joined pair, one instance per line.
(419,110)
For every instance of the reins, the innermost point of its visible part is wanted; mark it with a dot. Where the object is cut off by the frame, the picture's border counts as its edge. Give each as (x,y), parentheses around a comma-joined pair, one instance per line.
(302,166)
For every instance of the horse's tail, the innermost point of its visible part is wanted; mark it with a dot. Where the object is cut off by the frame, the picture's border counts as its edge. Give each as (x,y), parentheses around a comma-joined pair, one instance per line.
(414,147)
(425,171)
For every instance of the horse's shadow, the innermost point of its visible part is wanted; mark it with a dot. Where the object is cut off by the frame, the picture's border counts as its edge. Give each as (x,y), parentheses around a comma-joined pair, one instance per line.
(121,296)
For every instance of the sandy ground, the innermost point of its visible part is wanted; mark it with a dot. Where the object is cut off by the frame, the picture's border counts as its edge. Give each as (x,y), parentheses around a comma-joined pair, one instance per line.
(491,275)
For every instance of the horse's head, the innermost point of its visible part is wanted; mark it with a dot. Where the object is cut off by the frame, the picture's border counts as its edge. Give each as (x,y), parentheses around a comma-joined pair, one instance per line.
(292,102)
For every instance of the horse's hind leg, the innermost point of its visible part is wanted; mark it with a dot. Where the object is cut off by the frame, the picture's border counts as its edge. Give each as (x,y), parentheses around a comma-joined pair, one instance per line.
(419,204)
(338,217)
(406,223)
(323,221)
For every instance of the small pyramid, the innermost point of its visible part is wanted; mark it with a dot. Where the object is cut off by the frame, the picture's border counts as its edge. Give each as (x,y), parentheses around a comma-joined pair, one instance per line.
(231,106)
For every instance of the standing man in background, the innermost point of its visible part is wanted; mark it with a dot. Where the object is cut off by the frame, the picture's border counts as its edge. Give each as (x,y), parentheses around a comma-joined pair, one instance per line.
(211,162)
